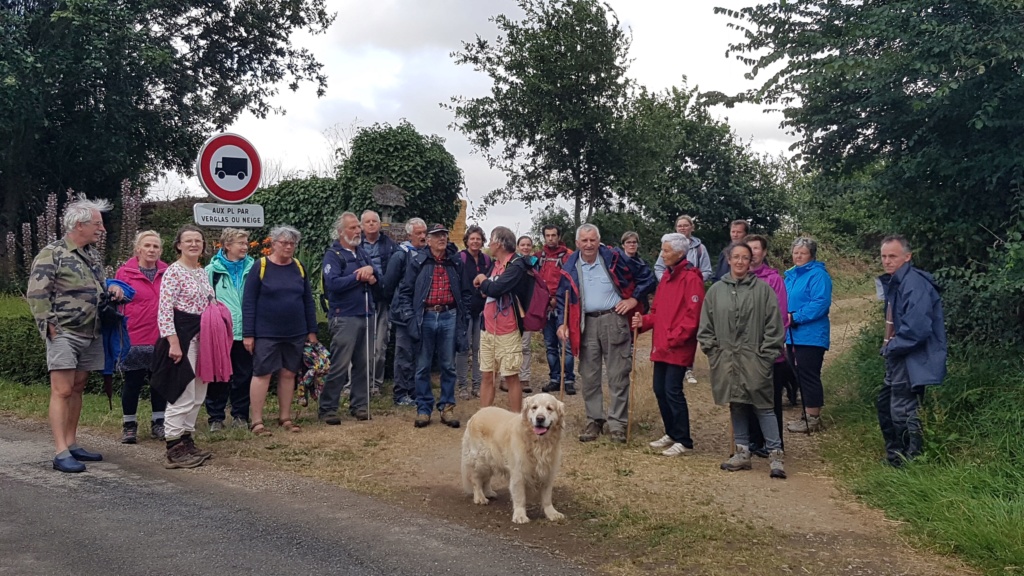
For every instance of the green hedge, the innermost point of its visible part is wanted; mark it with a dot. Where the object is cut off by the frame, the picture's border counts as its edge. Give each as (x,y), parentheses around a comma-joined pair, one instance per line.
(24,352)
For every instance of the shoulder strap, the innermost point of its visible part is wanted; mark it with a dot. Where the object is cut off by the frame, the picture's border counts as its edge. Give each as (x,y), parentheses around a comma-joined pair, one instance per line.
(263,267)
(302,271)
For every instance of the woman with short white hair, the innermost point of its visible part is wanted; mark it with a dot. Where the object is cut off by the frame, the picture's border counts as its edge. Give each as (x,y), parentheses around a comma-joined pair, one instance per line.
(278,318)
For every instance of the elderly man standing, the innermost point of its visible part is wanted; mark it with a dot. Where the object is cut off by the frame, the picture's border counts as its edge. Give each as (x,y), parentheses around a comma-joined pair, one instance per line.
(64,290)
(601,286)
(379,247)
(349,279)
(914,349)
(434,304)
(405,353)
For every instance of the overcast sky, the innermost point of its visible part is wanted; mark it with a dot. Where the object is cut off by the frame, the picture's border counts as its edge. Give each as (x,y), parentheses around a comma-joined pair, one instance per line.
(390,59)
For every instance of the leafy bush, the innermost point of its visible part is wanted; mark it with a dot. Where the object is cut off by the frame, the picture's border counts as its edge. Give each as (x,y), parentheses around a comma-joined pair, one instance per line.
(309,204)
(963,494)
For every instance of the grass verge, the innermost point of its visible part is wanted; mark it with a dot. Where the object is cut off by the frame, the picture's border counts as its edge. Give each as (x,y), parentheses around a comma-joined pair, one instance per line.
(965,496)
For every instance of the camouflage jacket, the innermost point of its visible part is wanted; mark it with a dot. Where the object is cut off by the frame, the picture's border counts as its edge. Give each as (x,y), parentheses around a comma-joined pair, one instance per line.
(64,287)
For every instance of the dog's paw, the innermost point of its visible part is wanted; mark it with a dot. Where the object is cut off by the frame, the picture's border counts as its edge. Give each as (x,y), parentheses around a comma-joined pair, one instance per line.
(491,495)
(480,498)
(554,515)
(520,517)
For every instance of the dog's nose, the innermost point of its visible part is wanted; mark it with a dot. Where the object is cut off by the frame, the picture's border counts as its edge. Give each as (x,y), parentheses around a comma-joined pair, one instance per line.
(540,418)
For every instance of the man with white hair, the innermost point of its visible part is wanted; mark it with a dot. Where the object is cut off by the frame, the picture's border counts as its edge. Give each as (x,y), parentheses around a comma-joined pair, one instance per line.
(601,287)
(379,247)
(405,350)
(349,278)
(65,285)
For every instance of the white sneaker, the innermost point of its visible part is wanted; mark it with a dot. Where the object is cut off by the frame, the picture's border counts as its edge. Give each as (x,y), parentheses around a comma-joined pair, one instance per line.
(663,442)
(690,378)
(676,449)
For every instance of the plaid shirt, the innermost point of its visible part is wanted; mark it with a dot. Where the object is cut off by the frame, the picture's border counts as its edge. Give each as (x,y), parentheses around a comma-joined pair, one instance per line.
(440,287)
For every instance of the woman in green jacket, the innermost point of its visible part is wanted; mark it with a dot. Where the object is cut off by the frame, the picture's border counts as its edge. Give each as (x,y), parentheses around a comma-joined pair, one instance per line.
(227,271)
(741,332)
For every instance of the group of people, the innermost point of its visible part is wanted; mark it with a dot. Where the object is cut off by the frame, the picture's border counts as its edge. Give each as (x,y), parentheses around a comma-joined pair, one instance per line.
(216,335)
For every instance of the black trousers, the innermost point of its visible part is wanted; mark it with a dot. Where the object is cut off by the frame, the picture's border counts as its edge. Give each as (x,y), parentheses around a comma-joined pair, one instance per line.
(675,414)
(218,393)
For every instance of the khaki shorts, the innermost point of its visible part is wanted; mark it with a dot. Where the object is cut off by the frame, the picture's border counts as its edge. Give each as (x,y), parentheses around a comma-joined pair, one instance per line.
(502,354)
(67,351)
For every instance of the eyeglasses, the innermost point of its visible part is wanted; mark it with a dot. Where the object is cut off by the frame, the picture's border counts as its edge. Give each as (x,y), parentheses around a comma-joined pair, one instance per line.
(284,242)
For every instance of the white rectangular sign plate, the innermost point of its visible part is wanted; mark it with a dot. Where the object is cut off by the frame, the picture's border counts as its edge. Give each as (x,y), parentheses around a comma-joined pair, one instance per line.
(228,215)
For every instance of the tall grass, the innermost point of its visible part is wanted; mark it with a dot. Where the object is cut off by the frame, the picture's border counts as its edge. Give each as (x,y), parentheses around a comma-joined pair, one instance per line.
(965,495)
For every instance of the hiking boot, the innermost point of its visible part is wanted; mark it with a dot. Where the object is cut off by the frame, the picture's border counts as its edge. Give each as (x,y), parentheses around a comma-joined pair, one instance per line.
(405,401)
(812,424)
(422,420)
(193,449)
(676,449)
(591,432)
(331,419)
(475,393)
(617,436)
(662,443)
(216,426)
(551,387)
(238,422)
(179,457)
(464,393)
(739,461)
(129,433)
(448,417)
(690,378)
(570,388)
(360,414)
(776,465)
(527,389)
(156,430)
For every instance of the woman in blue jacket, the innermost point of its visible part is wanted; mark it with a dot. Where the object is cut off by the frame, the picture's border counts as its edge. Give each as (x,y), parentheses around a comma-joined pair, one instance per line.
(809,288)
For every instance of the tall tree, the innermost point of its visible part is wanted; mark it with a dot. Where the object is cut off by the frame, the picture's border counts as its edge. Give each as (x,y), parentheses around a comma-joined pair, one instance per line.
(553,118)
(418,164)
(96,91)
(930,93)
(684,161)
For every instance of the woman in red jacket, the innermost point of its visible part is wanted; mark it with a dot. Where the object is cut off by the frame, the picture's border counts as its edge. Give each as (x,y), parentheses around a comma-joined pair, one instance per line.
(674,317)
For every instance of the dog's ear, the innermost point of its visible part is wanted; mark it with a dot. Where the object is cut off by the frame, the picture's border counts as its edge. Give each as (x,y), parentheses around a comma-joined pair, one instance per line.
(527,404)
(560,407)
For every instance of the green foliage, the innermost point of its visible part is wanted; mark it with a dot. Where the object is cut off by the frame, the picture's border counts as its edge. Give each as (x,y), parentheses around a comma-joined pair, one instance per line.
(24,352)
(96,91)
(553,120)
(929,95)
(418,164)
(686,162)
(963,495)
(309,204)
(166,218)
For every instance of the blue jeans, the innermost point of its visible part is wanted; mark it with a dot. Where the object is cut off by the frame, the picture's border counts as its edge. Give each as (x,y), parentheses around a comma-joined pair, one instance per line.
(554,348)
(437,340)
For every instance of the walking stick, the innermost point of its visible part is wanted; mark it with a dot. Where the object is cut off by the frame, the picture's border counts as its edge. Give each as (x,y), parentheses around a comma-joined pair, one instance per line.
(565,322)
(629,410)
(369,361)
(732,436)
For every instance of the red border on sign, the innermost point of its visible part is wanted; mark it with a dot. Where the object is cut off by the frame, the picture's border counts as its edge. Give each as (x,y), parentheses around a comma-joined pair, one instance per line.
(209,181)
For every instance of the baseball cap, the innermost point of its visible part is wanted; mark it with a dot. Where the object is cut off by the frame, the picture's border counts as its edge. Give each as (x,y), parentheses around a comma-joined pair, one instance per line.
(437,229)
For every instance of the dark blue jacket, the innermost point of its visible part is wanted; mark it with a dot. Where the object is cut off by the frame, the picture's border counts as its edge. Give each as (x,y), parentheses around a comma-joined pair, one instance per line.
(278,305)
(346,296)
(395,271)
(644,277)
(920,338)
(470,269)
(412,293)
(809,289)
(385,248)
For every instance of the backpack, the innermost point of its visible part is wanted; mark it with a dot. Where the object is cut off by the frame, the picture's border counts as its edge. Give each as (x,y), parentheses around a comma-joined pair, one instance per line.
(263,267)
(535,315)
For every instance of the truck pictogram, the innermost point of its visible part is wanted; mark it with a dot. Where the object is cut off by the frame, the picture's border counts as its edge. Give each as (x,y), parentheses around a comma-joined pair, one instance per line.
(232,166)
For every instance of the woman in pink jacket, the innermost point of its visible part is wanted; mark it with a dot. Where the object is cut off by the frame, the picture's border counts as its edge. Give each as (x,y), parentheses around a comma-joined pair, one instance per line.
(780,372)
(143,272)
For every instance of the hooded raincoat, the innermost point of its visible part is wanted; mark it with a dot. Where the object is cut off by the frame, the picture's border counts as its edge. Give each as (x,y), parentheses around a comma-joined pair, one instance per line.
(741,332)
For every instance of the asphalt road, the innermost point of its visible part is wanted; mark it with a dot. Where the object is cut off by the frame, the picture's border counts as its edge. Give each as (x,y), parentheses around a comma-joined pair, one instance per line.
(128,515)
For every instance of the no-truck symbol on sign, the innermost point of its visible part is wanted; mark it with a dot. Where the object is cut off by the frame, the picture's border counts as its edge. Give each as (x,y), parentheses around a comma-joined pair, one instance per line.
(229,168)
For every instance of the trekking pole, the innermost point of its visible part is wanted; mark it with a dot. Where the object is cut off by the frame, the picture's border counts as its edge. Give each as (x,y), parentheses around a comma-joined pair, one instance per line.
(369,362)
(565,322)
(632,372)
(794,367)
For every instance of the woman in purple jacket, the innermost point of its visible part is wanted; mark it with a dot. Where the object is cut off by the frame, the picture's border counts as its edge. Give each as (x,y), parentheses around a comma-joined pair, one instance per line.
(142,272)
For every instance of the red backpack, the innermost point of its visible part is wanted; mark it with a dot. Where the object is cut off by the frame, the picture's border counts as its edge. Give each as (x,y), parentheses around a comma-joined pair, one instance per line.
(535,314)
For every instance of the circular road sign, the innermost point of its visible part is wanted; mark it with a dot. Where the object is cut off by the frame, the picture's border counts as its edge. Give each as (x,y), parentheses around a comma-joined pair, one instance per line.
(229,168)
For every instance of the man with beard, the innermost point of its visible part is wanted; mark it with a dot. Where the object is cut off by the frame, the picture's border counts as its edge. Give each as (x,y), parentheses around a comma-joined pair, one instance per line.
(348,276)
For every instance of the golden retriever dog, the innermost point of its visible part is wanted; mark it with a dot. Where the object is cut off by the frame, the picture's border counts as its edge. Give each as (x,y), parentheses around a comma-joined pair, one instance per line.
(525,448)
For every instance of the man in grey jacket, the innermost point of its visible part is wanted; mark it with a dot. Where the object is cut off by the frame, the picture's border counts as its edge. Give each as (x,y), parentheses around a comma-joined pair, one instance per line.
(914,349)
